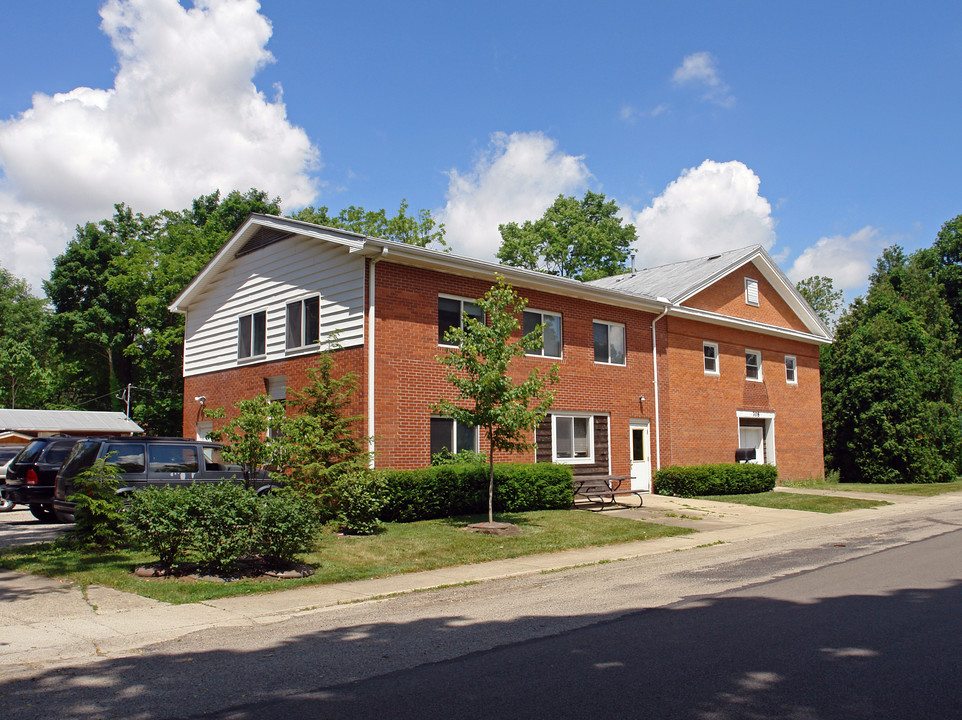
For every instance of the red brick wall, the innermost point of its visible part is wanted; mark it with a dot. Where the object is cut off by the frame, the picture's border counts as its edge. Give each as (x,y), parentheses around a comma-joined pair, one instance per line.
(727,296)
(409,377)
(704,406)
(225,387)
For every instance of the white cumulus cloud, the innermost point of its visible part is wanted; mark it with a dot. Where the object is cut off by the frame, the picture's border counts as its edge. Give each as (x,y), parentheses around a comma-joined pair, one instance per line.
(847,259)
(515,178)
(699,69)
(183,118)
(710,208)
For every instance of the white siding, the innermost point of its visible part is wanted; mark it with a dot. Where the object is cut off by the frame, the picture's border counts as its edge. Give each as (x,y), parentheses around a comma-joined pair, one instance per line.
(268,279)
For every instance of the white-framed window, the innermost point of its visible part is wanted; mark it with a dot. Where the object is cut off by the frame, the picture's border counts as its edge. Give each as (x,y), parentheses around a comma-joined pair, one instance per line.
(753,365)
(252,335)
(573,438)
(609,342)
(450,314)
(303,322)
(453,436)
(751,291)
(710,352)
(551,331)
(791,370)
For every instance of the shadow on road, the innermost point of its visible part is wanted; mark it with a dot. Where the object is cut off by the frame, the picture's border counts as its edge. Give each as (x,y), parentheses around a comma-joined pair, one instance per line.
(854,656)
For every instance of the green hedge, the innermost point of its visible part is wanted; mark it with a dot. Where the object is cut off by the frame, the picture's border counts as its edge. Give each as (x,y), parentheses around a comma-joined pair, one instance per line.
(727,479)
(448,490)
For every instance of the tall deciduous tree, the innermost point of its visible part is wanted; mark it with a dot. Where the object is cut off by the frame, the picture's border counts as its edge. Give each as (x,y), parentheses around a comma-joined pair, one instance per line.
(420,229)
(890,381)
(479,368)
(821,294)
(26,357)
(581,239)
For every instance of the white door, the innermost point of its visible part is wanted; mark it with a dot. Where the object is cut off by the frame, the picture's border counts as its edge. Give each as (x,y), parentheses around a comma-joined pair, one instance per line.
(640,458)
(753,437)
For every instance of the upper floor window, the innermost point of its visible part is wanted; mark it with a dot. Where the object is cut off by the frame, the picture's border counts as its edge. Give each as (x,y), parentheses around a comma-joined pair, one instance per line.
(791,370)
(751,291)
(450,312)
(710,351)
(551,331)
(252,334)
(573,438)
(753,365)
(303,322)
(609,342)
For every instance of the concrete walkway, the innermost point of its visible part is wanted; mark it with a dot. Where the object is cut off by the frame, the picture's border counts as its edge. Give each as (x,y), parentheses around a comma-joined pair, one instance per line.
(44,621)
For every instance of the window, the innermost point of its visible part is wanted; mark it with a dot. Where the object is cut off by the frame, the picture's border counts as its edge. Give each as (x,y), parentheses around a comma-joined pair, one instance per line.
(303,322)
(710,351)
(790,370)
(453,436)
(573,438)
(609,343)
(129,458)
(251,334)
(551,331)
(172,459)
(450,314)
(751,292)
(753,365)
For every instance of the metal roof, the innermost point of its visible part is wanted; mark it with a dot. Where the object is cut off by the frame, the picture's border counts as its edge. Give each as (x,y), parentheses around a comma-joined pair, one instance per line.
(74,421)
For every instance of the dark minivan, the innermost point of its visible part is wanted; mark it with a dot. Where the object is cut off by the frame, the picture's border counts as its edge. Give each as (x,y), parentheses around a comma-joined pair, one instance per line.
(31,475)
(146,462)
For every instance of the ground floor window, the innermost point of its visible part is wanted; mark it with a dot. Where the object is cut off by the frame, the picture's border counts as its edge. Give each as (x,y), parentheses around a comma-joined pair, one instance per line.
(447,434)
(573,438)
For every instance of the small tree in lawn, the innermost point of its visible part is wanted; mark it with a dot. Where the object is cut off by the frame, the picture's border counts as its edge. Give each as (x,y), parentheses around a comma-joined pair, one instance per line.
(488,398)
(255,438)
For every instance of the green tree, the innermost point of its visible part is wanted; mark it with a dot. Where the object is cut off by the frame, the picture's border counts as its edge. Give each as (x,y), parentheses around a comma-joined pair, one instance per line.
(479,368)
(27,359)
(578,239)
(943,260)
(821,294)
(890,381)
(320,431)
(421,230)
(254,437)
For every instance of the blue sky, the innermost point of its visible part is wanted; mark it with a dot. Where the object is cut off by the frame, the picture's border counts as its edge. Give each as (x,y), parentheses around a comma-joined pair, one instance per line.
(824,131)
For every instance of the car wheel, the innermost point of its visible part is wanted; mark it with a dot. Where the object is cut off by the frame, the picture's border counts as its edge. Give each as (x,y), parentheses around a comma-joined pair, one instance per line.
(43,513)
(7,505)
(63,517)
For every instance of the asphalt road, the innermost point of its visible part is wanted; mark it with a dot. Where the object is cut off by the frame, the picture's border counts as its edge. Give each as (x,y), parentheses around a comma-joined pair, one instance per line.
(862,622)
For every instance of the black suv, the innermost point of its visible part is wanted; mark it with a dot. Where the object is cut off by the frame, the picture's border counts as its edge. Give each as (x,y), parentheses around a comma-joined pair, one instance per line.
(146,462)
(31,475)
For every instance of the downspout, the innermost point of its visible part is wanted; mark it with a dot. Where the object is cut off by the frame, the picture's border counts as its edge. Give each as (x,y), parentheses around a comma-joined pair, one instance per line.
(654,357)
(370,354)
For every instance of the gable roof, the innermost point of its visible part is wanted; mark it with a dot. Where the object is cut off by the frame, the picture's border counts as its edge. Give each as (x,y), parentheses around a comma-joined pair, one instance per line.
(659,289)
(681,281)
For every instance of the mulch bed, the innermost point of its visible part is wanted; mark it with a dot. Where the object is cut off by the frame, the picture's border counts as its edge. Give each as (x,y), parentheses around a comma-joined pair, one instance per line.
(244,569)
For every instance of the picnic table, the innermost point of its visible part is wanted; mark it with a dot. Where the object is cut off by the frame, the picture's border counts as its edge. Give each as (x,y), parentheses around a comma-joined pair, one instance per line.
(600,490)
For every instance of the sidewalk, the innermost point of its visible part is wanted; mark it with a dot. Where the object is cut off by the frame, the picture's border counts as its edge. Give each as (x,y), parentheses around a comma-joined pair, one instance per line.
(46,621)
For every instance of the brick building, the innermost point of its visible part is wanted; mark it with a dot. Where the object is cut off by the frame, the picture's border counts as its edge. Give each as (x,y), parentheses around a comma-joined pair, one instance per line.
(679,364)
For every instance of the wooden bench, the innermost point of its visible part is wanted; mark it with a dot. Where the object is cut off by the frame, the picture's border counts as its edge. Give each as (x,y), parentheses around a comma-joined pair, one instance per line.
(599,490)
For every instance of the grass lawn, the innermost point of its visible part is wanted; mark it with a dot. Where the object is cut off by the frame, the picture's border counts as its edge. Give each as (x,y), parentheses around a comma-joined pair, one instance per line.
(400,548)
(798,501)
(922,489)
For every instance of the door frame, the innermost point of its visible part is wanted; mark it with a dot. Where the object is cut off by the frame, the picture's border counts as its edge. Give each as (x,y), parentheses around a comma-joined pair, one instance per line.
(768,431)
(640,484)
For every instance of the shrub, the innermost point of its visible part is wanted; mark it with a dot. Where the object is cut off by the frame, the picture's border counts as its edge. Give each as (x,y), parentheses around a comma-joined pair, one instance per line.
(448,490)
(287,524)
(222,516)
(159,519)
(98,511)
(727,479)
(462,457)
(356,500)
